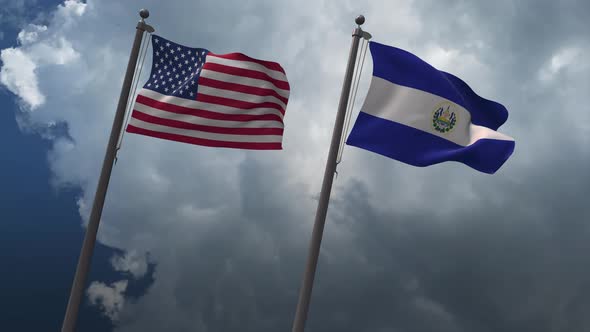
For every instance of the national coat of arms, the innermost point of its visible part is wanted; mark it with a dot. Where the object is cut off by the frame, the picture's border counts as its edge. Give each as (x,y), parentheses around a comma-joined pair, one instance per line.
(444,118)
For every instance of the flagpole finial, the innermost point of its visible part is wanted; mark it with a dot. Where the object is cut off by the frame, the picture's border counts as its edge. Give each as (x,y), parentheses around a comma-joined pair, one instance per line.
(144,13)
(360,20)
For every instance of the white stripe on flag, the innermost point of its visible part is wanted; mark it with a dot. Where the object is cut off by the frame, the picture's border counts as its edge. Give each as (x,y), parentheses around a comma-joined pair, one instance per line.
(254,82)
(246,65)
(391,102)
(206,135)
(239,96)
(193,104)
(204,121)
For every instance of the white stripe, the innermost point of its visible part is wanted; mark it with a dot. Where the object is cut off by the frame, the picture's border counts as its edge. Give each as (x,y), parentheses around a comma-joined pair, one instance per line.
(277,75)
(240,96)
(244,81)
(479,132)
(415,108)
(204,121)
(188,103)
(205,135)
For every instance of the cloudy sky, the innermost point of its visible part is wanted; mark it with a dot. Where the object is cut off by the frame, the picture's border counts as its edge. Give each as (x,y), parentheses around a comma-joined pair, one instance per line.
(202,239)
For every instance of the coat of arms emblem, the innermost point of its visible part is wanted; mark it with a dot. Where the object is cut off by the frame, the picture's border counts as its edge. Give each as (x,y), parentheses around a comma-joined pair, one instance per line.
(443,118)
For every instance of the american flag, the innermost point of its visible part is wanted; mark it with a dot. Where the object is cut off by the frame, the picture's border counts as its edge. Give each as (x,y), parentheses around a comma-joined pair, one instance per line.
(219,100)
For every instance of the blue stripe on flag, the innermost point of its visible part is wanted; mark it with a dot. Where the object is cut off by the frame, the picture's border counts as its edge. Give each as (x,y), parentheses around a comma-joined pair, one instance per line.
(419,148)
(404,68)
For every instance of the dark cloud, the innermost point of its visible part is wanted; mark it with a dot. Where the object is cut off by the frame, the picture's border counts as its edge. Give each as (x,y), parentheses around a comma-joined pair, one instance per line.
(494,265)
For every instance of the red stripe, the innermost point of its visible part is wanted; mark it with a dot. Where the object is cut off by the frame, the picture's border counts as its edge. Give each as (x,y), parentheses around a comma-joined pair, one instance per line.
(245,105)
(243,57)
(204,113)
(210,129)
(245,73)
(205,142)
(241,88)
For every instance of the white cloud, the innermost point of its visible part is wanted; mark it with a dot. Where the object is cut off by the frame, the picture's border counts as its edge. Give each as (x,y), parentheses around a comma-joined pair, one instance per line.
(109,299)
(71,8)
(131,262)
(18,75)
(39,49)
(30,34)
(432,308)
(559,61)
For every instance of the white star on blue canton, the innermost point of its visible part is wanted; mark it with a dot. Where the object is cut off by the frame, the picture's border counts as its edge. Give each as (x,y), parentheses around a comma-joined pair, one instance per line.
(173,78)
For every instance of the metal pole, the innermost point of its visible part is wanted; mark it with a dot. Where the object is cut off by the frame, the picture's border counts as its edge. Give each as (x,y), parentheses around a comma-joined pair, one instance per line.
(322,210)
(78,286)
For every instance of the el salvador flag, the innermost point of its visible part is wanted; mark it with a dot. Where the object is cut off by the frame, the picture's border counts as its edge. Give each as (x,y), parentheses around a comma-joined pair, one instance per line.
(421,116)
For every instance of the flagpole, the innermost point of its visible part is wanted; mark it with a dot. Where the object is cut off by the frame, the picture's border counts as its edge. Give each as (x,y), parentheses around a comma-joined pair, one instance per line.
(78,286)
(322,210)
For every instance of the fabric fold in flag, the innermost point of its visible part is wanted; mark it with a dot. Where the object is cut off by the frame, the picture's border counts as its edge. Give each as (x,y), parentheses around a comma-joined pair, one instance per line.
(218,100)
(421,116)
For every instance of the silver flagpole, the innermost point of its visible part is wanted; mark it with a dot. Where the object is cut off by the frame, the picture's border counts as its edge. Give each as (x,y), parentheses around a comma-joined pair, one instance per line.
(78,286)
(322,210)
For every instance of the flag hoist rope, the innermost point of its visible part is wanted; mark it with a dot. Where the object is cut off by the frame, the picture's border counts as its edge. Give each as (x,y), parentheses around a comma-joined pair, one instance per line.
(83,267)
(355,86)
(134,84)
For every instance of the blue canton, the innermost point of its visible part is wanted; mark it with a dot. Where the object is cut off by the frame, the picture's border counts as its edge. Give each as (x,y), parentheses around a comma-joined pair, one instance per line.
(175,68)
